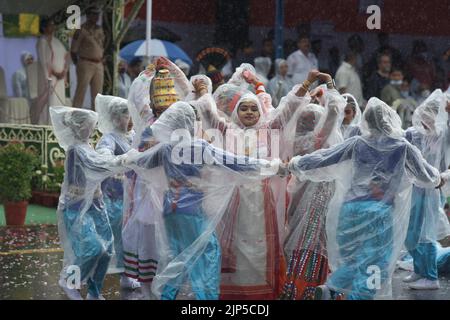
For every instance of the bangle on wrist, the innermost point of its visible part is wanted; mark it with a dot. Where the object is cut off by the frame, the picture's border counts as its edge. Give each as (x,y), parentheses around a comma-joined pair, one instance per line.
(307,83)
(331,84)
(304,87)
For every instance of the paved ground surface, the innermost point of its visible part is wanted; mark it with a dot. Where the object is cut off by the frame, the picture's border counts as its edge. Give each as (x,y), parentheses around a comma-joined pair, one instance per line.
(30,262)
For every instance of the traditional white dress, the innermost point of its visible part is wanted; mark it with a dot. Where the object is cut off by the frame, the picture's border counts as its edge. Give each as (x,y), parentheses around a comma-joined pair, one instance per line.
(52,55)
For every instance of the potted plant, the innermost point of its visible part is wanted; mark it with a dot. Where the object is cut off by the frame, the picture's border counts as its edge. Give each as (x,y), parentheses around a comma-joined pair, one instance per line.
(47,186)
(16,171)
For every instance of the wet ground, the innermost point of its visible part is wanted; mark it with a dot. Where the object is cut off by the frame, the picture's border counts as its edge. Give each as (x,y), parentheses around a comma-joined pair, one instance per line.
(31,259)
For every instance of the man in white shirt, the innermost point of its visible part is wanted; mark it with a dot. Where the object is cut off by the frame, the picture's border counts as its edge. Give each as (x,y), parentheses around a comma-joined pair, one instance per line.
(347,78)
(302,61)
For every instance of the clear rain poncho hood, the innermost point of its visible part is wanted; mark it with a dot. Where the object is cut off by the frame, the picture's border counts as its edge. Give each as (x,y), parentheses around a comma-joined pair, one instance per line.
(199,77)
(109,109)
(315,126)
(352,128)
(226,97)
(430,117)
(180,117)
(72,125)
(248,97)
(237,78)
(380,119)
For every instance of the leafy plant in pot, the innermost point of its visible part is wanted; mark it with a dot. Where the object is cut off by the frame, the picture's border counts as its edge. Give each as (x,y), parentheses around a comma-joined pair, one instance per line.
(16,171)
(47,186)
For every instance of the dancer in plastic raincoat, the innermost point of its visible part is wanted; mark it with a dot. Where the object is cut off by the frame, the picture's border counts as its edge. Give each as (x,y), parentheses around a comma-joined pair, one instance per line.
(114,121)
(305,265)
(251,243)
(195,178)
(430,134)
(368,216)
(83,223)
(151,93)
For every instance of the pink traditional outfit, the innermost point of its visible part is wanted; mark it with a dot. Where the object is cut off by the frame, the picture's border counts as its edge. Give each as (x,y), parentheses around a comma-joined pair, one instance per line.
(251,227)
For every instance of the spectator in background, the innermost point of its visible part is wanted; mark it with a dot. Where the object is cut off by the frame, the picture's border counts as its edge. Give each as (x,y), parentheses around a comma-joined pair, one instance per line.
(420,91)
(405,105)
(421,66)
(87,53)
(316,49)
(124,79)
(268,50)
(334,60)
(52,58)
(383,48)
(245,55)
(262,67)
(443,71)
(302,61)
(20,84)
(356,45)
(289,46)
(380,78)
(392,91)
(347,78)
(280,85)
(135,67)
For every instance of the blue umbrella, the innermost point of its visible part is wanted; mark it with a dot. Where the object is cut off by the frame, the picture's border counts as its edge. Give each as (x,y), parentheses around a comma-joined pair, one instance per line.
(158,48)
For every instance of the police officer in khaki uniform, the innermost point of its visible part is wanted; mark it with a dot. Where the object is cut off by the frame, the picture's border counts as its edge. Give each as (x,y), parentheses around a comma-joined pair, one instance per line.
(87,53)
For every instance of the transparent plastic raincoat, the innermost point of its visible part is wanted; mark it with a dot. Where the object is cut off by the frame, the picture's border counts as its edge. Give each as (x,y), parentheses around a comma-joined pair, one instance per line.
(239,79)
(194,179)
(116,140)
(83,223)
(368,215)
(430,134)
(140,251)
(305,255)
